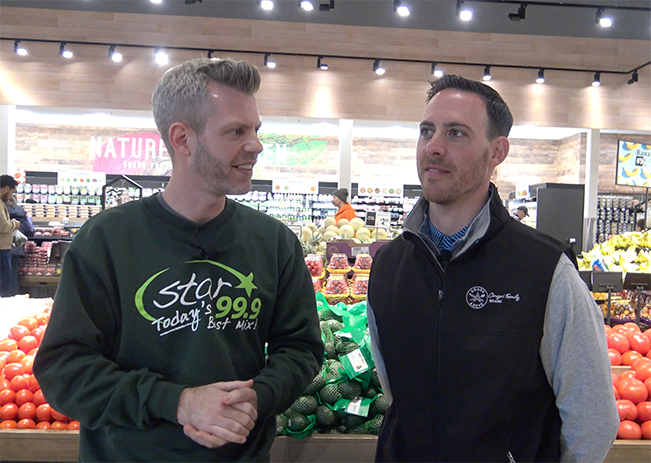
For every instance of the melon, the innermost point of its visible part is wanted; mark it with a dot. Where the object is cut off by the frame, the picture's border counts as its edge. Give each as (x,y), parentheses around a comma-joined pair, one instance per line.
(312,227)
(321,230)
(306,234)
(347,231)
(379,234)
(334,229)
(357,223)
(327,236)
(363,234)
(342,222)
(329,221)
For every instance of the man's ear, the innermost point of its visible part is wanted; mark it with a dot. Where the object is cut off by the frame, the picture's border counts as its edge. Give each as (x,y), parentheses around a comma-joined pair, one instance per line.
(501,147)
(182,138)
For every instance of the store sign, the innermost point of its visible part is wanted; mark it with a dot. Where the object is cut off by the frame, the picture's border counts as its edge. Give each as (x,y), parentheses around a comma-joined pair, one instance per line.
(289,150)
(141,153)
(374,189)
(633,164)
(72,178)
(298,185)
(378,219)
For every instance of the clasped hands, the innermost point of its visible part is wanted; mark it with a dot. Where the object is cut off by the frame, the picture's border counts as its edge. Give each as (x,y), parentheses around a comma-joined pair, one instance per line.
(218,413)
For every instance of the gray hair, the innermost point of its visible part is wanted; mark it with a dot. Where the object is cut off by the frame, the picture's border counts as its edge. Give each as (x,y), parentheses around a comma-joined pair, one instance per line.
(181,93)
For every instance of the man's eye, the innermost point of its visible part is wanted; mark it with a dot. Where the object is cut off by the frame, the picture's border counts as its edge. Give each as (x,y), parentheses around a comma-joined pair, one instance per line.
(237,131)
(456,133)
(425,132)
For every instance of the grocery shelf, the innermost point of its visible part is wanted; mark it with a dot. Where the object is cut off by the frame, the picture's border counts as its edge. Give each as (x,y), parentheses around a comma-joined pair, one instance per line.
(61,446)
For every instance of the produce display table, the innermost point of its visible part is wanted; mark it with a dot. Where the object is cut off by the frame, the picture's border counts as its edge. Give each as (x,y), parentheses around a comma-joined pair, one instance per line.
(61,446)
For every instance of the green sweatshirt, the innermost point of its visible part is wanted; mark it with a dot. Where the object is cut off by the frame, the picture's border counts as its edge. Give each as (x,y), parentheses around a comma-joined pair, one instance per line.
(150,303)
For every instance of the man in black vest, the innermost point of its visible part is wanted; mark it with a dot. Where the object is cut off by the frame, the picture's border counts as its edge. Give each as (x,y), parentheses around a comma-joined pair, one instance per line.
(487,341)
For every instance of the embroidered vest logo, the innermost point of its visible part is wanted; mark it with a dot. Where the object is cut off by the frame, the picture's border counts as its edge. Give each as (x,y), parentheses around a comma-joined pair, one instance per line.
(477,297)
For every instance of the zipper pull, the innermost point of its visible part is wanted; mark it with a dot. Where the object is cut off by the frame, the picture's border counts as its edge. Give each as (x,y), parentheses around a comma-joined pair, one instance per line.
(510,457)
(440,294)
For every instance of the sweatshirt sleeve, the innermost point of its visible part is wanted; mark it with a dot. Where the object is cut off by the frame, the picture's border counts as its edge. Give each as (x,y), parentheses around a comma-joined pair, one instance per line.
(575,358)
(78,348)
(295,349)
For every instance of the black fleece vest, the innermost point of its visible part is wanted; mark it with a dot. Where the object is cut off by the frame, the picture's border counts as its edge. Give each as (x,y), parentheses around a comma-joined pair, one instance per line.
(461,347)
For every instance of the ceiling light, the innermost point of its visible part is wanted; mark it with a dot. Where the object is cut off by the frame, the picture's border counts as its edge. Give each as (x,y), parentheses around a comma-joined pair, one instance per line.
(269,62)
(379,70)
(603,21)
(191,2)
(436,72)
(266,4)
(487,73)
(327,6)
(321,65)
(402,10)
(464,14)
(520,14)
(157,1)
(116,56)
(19,49)
(306,5)
(64,52)
(541,77)
(633,78)
(160,56)
(596,82)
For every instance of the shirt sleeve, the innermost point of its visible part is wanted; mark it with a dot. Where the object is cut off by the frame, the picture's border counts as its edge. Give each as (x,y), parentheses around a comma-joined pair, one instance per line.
(574,355)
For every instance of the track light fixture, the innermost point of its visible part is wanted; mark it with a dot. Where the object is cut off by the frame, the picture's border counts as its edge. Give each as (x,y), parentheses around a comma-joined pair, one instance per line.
(327,6)
(19,49)
(305,5)
(520,15)
(320,64)
(116,56)
(464,14)
(603,21)
(398,7)
(541,77)
(266,4)
(436,72)
(596,82)
(192,2)
(487,73)
(64,52)
(157,2)
(377,68)
(160,56)
(633,78)
(268,61)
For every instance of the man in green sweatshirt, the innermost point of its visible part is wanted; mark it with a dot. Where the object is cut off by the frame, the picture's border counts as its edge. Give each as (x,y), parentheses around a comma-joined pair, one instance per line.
(184,322)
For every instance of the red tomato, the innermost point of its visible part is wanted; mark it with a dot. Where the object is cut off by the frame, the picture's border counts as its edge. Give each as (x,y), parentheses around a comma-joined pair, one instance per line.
(30,323)
(8,345)
(646,430)
(23,396)
(8,411)
(15,356)
(616,392)
(629,430)
(3,362)
(643,369)
(644,411)
(18,331)
(628,374)
(61,426)
(632,326)
(27,410)
(43,319)
(626,410)
(647,383)
(614,356)
(4,353)
(39,399)
(8,424)
(4,383)
(44,412)
(33,384)
(29,342)
(38,333)
(633,390)
(59,416)
(26,423)
(628,357)
(647,333)
(615,378)
(74,425)
(622,329)
(13,369)
(19,382)
(7,396)
(33,352)
(43,425)
(618,341)
(639,343)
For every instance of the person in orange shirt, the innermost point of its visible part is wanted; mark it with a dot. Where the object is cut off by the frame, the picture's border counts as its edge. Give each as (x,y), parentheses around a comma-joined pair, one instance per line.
(345,210)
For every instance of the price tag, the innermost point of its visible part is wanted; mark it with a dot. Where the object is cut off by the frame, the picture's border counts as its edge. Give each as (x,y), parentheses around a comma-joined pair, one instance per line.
(359,250)
(354,406)
(357,360)
(383,219)
(296,229)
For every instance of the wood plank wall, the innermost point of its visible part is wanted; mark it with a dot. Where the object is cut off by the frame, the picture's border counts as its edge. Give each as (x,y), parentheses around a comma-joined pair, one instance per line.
(296,88)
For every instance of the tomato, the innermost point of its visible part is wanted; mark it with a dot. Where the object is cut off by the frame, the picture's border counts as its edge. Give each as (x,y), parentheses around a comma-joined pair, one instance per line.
(622,329)
(18,331)
(646,430)
(3,362)
(38,333)
(27,410)
(629,430)
(618,341)
(633,390)
(644,411)
(44,412)
(19,382)
(647,383)
(4,383)
(23,396)
(8,411)
(39,399)
(59,426)
(7,396)
(30,323)
(26,423)
(28,361)
(638,342)
(8,424)
(616,392)
(15,356)
(607,328)
(33,352)
(13,369)
(59,416)
(626,410)
(43,425)
(647,333)
(33,384)
(632,326)
(74,425)
(8,345)
(628,357)
(43,319)
(643,369)
(29,342)
(628,374)
(614,356)
(614,377)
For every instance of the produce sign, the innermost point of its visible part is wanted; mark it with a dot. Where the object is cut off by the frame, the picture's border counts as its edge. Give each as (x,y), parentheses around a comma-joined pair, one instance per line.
(22,405)
(633,164)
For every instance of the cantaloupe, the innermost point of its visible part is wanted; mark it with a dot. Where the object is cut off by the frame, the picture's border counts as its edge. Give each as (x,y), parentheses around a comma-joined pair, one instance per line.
(347,231)
(334,229)
(306,234)
(363,234)
(329,221)
(357,223)
(312,227)
(342,222)
(327,236)
(379,234)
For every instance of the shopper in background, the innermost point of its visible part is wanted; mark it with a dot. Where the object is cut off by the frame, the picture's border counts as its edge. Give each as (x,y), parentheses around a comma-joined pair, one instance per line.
(641,225)
(486,339)
(184,322)
(26,228)
(8,186)
(344,209)
(520,213)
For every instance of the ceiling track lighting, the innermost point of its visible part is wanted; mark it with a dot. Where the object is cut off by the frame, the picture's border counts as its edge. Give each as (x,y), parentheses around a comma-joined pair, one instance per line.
(157,2)
(541,77)
(327,6)
(633,78)
(18,49)
(463,14)
(266,5)
(603,21)
(487,73)
(192,2)
(305,5)
(116,56)
(398,7)
(320,64)
(63,51)
(378,69)
(160,56)
(271,64)
(436,72)
(520,15)
(596,82)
